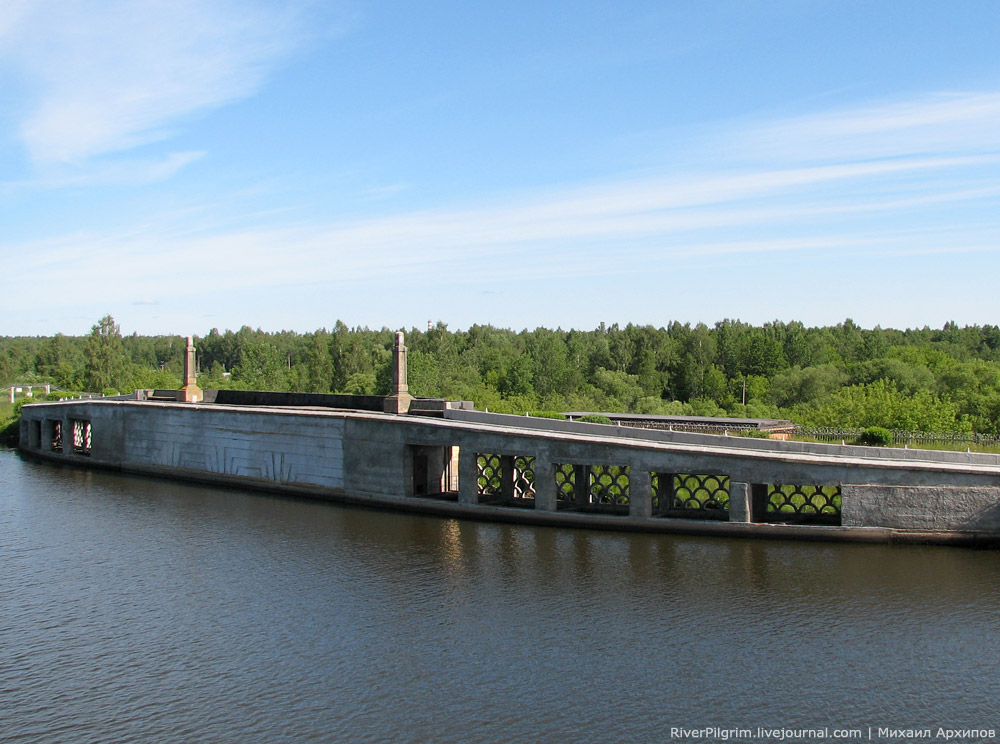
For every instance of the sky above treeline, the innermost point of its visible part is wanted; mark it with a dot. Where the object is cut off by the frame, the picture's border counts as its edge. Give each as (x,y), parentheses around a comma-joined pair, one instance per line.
(189,164)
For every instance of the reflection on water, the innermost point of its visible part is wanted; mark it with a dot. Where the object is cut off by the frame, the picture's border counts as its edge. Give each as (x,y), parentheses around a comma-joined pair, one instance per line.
(140,610)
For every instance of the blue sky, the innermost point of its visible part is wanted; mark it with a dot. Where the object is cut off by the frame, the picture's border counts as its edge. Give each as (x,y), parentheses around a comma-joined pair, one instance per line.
(189,164)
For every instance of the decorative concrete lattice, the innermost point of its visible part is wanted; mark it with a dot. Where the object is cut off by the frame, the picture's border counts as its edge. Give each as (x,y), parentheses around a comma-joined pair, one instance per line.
(81,437)
(524,478)
(609,484)
(516,471)
(791,503)
(565,483)
(693,491)
(695,495)
(490,477)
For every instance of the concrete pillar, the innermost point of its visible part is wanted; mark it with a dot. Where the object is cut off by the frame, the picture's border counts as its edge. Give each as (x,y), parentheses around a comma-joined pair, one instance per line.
(437,465)
(408,489)
(67,436)
(664,491)
(398,401)
(468,476)
(545,483)
(581,485)
(747,501)
(640,492)
(740,508)
(507,479)
(758,502)
(190,393)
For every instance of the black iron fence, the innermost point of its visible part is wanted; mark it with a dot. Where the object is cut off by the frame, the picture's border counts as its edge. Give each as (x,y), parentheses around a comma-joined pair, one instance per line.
(900,437)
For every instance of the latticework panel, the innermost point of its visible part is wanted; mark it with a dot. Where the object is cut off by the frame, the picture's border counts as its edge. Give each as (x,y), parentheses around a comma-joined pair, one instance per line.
(690,492)
(489,475)
(694,491)
(796,503)
(609,484)
(524,478)
(565,482)
(691,495)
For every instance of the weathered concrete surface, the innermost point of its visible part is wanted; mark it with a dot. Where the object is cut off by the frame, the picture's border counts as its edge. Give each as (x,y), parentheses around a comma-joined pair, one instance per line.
(383,460)
(926,508)
(248,443)
(740,509)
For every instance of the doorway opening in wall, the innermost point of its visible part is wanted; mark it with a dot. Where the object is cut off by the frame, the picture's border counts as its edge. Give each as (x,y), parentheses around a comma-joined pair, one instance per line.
(433,471)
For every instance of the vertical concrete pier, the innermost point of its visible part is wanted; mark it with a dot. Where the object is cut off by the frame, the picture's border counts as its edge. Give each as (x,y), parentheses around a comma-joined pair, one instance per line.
(190,393)
(398,401)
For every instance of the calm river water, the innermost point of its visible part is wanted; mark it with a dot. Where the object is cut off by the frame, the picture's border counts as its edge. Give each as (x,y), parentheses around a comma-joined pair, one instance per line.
(140,610)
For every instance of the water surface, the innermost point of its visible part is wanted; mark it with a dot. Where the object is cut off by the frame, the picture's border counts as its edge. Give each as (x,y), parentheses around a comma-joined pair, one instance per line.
(143,610)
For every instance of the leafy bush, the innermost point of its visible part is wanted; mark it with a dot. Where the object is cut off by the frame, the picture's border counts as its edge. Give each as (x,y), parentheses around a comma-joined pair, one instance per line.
(594,418)
(876,436)
(10,432)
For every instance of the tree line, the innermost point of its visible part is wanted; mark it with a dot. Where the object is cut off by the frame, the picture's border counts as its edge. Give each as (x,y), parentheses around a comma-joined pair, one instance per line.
(945,379)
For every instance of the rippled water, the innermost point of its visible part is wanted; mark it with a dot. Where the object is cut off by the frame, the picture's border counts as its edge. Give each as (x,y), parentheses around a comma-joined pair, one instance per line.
(140,610)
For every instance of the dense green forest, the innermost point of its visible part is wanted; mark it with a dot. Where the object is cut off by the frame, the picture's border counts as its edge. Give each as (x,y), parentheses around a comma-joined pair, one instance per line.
(925,379)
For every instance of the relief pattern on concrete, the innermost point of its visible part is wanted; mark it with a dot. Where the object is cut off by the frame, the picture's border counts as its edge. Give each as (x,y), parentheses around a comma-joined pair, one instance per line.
(271,456)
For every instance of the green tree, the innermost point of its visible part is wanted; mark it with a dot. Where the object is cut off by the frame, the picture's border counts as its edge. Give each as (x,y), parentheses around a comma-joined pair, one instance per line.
(319,364)
(261,367)
(796,387)
(882,404)
(106,364)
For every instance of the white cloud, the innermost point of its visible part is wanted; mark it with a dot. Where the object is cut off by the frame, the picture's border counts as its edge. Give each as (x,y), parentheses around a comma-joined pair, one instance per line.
(117,74)
(113,172)
(643,225)
(943,123)
(894,202)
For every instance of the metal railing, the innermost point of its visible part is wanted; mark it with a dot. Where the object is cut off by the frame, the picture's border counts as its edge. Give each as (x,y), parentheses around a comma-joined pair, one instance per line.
(899,436)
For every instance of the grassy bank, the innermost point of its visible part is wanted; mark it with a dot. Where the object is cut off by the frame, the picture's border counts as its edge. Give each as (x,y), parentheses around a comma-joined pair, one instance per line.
(8,425)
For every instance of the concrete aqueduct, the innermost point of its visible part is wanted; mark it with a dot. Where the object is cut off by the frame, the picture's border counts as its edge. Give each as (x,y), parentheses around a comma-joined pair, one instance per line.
(444,457)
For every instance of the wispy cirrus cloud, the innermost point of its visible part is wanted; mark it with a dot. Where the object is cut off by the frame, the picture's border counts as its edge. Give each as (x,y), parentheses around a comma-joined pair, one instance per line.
(938,124)
(878,194)
(618,227)
(107,77)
